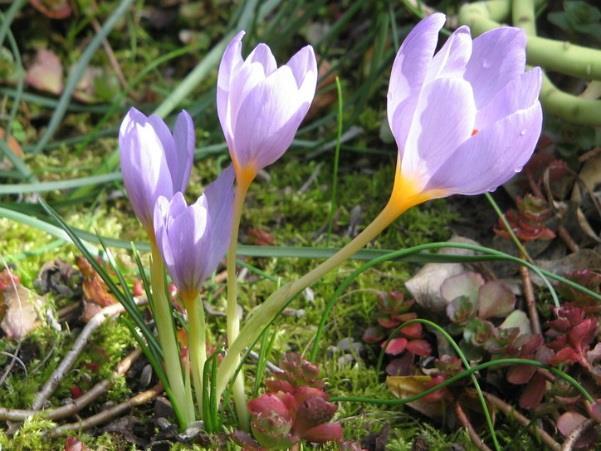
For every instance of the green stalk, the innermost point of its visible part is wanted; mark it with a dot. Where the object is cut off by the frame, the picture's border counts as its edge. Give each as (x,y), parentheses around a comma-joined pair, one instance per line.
(232,317)
(196,343)
(167,337)
(267,311)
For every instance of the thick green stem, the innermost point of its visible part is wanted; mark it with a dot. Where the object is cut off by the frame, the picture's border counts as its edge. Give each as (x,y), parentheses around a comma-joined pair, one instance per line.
(196,343)
(167,337)
(267,311)
(232,316)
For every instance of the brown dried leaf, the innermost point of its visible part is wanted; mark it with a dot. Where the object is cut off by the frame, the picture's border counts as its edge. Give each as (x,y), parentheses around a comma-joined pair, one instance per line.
(20,311)
(53,9)
(46,72)
(95,292)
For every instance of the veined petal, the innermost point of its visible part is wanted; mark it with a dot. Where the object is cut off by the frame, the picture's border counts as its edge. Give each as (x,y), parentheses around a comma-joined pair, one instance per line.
(244,83)
(229,65)
(143,165)
(412,60)
(262,54)
(219,201)
(498,56)
(452,58)
(180,162)
(444,119)
(493,156)
(304,67)
(268,119)
(520,93)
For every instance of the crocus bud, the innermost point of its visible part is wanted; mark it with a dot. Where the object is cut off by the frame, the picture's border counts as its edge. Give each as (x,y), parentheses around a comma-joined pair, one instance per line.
(261,106)
(193,239)
(154,161)
(466,118)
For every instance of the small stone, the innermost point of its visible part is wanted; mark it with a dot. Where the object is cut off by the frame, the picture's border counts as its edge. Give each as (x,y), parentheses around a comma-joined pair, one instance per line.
(162,408)
(145,376)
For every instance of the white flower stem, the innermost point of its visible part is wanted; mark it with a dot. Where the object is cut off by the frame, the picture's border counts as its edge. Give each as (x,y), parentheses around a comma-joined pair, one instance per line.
(167,338)
(196,342)
(232,316)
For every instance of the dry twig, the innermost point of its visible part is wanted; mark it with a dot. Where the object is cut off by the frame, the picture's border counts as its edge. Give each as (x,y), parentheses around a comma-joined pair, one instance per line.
(77,404)
(530,300)
(465,421)
(511,412)
(109,414)
(96,321)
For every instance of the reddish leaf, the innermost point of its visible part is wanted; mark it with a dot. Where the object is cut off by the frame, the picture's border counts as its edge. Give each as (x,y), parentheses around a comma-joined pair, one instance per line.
(53,9)
(373,335)
(569,421)
(565,355)
(73,444)
(412,330)
(328,432)
(388,323)
(534,392)
(520,374)
(396,346)
(419,347)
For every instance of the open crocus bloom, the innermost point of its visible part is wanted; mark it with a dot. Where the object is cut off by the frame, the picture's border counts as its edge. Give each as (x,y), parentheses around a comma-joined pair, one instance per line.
(261,106)
(154,161)
(193,239)
(466,118)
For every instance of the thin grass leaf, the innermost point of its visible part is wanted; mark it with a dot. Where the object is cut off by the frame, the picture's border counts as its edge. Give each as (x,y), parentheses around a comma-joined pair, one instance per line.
(267,341)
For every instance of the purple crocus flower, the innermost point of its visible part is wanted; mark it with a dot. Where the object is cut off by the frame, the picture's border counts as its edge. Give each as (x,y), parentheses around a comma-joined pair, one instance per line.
(193,239)
(466,118)
(154,161)
(261,106)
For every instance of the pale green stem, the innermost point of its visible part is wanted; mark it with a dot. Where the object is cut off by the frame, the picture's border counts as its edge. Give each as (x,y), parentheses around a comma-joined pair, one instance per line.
(267,311)
(167,337)
(232,316)
(196,342)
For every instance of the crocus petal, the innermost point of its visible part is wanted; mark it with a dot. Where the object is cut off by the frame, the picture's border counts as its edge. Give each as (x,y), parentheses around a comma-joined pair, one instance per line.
(498,56)
(432,134)
(262,54)
(193,239)
(143,165)
(304,67)
(219,201)
(452,58)
(412,60)
(260,106)
(269,118)
(490,158)
(520,93)
(180,161)
(230,63)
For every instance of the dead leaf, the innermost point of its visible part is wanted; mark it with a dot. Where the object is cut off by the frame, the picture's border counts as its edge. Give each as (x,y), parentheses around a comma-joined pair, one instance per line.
(405,386)
(583,259)
(425,285)
(96,295)
(14,146)
(46,72)
(19,307)
(53,9)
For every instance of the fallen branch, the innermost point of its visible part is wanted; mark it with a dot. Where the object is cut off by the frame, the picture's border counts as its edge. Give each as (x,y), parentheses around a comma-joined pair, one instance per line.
(465,421)
(77,404)
(530,300)
(68,361)
(511,412)
(109,414)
